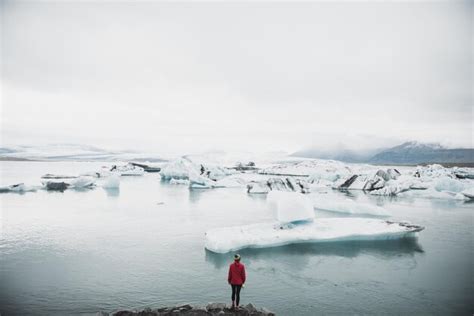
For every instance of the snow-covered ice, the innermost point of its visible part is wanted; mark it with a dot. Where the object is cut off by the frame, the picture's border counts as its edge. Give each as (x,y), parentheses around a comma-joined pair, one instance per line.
(111,182)
(127,170)
(222,240)
(17,188)
(348,206)
(469,193)
(179,181)
(290,206)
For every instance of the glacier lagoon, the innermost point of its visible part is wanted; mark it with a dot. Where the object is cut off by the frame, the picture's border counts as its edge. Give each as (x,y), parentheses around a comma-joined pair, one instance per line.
(80,252)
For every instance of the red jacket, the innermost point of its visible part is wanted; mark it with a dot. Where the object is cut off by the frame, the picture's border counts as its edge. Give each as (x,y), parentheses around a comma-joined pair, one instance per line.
(236,273)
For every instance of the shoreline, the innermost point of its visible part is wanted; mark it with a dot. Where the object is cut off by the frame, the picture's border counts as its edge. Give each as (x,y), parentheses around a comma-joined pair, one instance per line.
(210,309)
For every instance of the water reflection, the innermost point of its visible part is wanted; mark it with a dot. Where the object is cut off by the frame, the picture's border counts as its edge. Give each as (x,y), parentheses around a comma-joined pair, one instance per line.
(384,248)
(112,192)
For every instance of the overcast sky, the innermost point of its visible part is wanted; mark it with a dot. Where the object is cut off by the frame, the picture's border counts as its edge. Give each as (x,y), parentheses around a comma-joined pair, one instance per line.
(187,77)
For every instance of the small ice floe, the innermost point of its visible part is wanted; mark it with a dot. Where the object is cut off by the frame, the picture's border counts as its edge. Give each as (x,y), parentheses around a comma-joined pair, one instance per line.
(348,206)
(79,183)
(17,188)
(222,240)
(57,176)
(469,193)
(146,168)
(179,181)
(82,183)
(127,170)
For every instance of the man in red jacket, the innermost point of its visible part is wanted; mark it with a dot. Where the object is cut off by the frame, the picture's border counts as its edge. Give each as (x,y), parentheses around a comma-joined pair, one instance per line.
(236,279)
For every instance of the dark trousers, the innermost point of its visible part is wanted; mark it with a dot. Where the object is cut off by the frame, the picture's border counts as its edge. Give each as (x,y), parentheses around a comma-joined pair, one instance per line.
(236,293)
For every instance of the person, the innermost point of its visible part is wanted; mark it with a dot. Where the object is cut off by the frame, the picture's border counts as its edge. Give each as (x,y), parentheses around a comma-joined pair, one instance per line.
(236,279)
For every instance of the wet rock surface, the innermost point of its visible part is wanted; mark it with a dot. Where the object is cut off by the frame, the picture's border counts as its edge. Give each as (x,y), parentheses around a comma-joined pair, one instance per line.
(210,309)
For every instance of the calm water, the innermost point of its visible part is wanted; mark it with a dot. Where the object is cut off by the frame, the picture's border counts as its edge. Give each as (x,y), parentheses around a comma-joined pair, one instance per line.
(81,252)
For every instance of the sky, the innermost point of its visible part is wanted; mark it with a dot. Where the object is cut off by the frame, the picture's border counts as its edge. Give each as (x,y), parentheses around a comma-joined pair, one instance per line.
(251,76)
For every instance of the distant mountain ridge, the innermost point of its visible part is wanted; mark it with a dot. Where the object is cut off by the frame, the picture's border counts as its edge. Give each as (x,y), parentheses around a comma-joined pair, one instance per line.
(412,152)
(416,152)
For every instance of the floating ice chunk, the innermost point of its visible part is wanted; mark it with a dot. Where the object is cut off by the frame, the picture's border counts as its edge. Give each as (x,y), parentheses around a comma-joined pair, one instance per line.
(290,206)
(57,176)
(448,184)
(112,182)
(469,193)
(258,187)
(179,181)
(222,240)
(17,188)
(349,206)
(181,168)
(128,170)
(82,182)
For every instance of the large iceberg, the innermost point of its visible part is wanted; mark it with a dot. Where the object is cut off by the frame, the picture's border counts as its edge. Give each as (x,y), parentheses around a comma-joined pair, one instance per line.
(222,240)
(290,206)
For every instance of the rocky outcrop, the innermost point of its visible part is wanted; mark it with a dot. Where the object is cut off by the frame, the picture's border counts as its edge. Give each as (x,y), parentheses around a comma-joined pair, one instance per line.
(210,310)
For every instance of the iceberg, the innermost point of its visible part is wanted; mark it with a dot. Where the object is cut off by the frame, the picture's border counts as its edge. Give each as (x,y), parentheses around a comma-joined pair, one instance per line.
(127,170)
(469,193)
(111,182)
(445,183)
(185,168)
(57,176)
(179,181)
(349,206)
(222,240)
(82,182)
(17,188)
(290,206)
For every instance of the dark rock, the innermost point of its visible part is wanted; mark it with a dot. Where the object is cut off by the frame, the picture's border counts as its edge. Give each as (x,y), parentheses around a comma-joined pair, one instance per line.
(348,182)
(212,309)
(215,306)
(56,186)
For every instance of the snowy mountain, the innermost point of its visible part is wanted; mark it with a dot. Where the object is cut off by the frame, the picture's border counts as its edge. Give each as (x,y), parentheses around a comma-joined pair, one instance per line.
(341,154)
(412,152)
(415,152)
